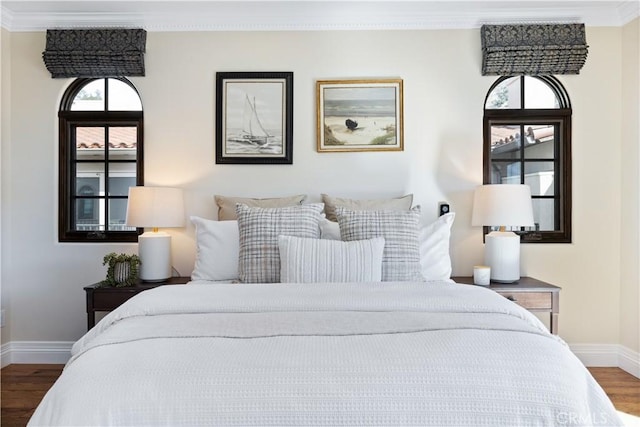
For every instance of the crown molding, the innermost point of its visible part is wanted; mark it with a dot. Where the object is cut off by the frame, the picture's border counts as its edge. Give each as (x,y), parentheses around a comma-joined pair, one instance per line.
(628,11)
(306,15)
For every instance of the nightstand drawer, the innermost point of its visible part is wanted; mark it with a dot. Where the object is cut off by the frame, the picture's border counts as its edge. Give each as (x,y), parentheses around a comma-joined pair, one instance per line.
(107,298)
(530,300)
(107,301)
(529,293)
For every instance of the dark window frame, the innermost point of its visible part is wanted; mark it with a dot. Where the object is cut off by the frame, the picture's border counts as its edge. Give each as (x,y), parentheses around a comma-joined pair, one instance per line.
(67,121)
(562,153)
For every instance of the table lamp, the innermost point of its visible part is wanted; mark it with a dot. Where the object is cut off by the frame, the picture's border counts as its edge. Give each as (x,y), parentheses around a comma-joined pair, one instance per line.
(503,205)
(155,207)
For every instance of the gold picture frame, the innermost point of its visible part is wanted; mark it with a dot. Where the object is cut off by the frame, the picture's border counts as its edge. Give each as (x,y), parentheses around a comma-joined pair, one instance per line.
(359,115)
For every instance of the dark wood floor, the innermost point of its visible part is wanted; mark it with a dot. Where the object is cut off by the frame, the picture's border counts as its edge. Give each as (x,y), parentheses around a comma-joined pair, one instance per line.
(23,386)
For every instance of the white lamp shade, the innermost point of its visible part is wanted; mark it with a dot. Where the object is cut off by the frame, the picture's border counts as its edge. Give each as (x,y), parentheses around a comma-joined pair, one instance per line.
(506,205)
(155,207)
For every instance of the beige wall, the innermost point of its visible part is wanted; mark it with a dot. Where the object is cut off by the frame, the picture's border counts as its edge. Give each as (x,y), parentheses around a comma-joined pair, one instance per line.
(442,161)
(5,132)
(630,187)
(589,269)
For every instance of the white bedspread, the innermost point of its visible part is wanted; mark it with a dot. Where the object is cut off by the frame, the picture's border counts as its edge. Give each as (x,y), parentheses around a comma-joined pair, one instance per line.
(428,354)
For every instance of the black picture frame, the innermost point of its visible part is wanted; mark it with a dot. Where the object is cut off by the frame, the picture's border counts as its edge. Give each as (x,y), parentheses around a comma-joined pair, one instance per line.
(254,117)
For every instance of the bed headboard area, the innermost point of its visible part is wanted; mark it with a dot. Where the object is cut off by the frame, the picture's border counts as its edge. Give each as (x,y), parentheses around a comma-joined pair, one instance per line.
(245,243)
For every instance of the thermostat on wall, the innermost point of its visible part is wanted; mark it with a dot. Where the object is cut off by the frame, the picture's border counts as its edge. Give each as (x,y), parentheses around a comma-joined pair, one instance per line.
(443,208)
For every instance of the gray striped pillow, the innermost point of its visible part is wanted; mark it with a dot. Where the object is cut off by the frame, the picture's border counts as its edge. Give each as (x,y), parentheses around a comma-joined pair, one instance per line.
(316,260)
(401,257)
(259,228)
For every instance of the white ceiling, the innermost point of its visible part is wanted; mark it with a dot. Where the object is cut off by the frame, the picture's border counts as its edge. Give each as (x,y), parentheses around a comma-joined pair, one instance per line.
(269,15)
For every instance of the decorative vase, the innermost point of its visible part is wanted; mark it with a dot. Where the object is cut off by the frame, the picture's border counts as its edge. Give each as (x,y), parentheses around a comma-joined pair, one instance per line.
(121,272)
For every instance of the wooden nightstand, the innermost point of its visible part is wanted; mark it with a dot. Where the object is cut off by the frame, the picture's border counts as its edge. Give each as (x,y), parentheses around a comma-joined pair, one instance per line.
(532,294)
(109,298)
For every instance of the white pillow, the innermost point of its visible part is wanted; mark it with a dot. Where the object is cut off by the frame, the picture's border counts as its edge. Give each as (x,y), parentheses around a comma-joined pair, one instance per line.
(435,260)
(218,247)
(304,260)
(434,248)
(329,230)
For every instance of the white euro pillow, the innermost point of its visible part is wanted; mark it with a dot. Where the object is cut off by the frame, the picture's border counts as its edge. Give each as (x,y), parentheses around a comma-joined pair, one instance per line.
(217,250)
(435,259)
(305,260)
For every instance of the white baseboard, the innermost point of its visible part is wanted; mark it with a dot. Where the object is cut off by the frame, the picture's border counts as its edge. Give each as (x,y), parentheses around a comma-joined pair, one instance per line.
(58,352)
(596,355)
(629,361)
(46,352)
(608,355)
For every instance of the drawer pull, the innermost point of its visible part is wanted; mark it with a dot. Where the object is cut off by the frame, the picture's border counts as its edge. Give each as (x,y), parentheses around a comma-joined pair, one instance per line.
(511,298)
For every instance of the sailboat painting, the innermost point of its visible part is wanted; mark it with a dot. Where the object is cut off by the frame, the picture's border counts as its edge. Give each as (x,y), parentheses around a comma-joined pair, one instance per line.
(253,131)
(254,117)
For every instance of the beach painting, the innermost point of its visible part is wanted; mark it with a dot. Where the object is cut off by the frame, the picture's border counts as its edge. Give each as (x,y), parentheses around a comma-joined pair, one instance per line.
(359,115)
(254,117)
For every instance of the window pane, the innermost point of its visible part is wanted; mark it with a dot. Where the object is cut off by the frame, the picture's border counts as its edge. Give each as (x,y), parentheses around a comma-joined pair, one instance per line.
(89,179)
(88,215)
(118,215)
(123,97)
(505,173)
(538,94)
(505,142)
(540,177)
(539,142)
(90,143)
(506,95)
(543,214)
(119,183)
(122,143)
(87,184)
(90,97)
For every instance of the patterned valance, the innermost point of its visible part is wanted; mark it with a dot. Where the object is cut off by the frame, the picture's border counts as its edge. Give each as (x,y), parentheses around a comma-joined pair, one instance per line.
(533,49)
(95,52)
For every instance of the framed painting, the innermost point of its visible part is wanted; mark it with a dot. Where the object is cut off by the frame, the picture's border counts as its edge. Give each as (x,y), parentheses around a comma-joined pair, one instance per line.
(359,115)
(254,117)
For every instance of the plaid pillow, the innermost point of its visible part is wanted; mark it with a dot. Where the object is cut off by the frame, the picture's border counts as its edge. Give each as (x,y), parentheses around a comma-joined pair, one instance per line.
(401,256)
(259,228)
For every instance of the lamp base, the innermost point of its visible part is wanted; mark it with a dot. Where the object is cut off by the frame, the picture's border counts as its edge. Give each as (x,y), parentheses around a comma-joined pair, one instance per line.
(502,254)
(154,249)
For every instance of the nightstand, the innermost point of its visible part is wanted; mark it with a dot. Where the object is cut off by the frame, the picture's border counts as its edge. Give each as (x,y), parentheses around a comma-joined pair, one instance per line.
(532,294)
(110,298)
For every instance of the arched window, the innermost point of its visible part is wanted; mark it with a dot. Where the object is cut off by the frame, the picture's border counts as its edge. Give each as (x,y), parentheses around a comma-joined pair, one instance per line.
(527,140)
(101,131)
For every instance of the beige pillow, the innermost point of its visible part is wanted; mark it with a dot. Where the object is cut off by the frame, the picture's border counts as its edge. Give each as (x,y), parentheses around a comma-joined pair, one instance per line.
(227,205)
(398,204)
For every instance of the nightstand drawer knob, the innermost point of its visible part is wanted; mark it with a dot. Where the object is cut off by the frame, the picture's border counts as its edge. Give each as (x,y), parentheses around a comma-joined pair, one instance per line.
(511,298)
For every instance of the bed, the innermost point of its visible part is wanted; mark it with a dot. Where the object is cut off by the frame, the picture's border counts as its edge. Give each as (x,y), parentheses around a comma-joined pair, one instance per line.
(377,353)
(340,338)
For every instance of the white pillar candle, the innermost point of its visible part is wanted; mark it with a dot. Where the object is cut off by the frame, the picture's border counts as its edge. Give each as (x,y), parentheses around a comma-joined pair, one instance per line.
(481,275)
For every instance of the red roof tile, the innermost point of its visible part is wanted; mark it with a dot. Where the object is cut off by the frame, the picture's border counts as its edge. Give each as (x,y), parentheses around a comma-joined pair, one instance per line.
(93,137)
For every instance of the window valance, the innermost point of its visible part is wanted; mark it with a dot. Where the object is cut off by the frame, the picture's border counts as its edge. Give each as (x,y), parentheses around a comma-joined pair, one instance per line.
(95,52)
(533,49)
